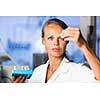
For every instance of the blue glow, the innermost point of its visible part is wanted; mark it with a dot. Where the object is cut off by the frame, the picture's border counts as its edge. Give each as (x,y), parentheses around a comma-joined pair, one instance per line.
(21,36)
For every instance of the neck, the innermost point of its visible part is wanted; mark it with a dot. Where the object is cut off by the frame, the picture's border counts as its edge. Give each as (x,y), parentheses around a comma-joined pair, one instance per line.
(54,63)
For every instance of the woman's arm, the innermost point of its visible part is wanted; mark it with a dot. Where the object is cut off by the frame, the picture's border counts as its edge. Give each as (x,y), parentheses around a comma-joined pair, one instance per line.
(74,34)
(92,59)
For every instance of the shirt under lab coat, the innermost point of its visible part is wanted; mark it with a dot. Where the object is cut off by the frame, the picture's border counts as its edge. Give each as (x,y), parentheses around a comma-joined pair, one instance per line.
(66,72)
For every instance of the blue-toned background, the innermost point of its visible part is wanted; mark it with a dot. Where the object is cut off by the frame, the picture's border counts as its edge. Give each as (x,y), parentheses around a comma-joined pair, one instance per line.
(21,37)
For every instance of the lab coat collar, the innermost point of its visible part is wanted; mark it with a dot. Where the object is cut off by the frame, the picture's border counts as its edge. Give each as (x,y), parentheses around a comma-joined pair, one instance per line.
(59,71)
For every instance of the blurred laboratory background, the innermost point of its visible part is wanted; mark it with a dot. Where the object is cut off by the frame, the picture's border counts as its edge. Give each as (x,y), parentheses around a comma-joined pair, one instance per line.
(20,41)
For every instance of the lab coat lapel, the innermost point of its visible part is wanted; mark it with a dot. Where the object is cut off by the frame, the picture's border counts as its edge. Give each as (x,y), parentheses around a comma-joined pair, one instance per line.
(59,71)
(45,71)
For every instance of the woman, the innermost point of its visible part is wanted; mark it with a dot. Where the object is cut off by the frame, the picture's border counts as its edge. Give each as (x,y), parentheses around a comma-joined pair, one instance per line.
(55,37)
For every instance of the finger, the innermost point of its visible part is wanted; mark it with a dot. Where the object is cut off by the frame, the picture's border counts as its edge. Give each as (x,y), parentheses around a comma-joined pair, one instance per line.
(16,80)
(19,79)
(23,79)
(68,39)
(67,35)
(13,78)
(64,34)
(73,29)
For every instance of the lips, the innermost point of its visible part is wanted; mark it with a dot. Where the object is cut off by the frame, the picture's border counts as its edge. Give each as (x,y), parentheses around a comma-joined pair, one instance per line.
(56,49)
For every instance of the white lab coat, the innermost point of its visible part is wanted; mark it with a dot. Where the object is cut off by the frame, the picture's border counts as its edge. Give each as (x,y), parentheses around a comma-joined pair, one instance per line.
(66,72)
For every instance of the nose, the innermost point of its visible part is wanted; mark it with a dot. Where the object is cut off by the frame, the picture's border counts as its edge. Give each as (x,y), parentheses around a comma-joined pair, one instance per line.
(56,41)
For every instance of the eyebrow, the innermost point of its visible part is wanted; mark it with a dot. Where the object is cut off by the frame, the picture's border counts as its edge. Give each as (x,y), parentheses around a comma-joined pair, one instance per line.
(59,37)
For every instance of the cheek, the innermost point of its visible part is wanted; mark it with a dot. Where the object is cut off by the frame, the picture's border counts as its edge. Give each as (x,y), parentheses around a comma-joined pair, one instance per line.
(62,43)
(48,44)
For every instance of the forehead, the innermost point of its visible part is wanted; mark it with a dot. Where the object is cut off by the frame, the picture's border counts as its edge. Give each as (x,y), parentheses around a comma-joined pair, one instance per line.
(52,29)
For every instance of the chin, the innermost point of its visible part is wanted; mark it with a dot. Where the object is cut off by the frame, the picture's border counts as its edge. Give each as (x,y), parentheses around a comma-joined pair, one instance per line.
(57,55)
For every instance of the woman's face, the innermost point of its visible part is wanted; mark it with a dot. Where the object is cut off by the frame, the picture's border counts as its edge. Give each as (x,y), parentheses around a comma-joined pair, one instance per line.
(54,45)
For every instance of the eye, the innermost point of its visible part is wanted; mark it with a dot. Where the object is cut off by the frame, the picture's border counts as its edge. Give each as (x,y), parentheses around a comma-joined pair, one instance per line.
(50,38)
(60,38)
